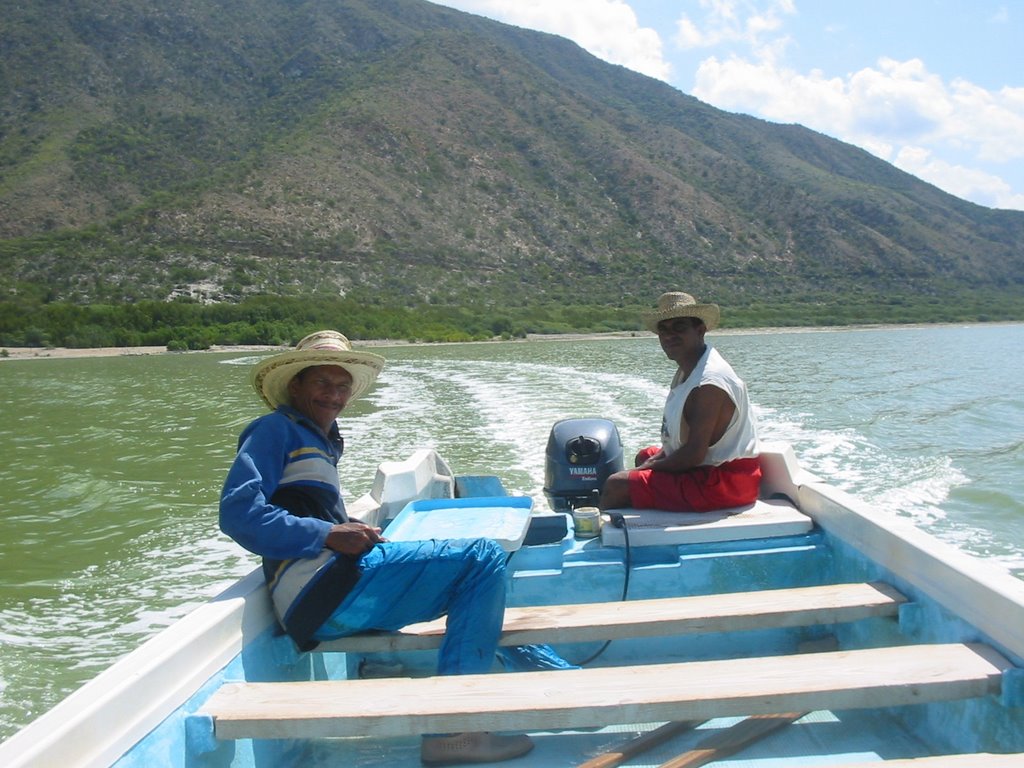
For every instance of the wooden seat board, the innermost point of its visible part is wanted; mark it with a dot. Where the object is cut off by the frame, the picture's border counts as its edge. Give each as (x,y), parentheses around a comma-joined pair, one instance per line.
(730,612)
(701,690)
(974,760)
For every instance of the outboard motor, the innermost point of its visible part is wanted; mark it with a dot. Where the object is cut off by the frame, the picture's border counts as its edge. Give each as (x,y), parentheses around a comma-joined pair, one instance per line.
(581,454)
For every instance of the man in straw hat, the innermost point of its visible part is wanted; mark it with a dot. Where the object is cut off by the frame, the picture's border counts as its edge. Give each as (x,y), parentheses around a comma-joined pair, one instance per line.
(330,576)
(708,458)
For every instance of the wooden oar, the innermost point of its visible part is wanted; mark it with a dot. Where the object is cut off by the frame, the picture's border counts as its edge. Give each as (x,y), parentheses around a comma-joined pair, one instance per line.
(730,741)
(628,749)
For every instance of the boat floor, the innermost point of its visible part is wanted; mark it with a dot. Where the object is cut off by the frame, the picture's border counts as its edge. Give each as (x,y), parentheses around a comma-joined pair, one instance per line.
(817,739)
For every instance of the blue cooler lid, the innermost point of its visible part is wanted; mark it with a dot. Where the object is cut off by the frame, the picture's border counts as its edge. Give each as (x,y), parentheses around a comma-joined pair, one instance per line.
(501,518)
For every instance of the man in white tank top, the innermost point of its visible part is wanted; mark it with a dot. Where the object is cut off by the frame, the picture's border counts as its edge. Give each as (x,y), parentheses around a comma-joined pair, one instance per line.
(708,458)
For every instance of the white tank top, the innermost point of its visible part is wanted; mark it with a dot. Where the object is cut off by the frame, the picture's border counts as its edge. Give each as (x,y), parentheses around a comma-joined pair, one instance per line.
(740,438)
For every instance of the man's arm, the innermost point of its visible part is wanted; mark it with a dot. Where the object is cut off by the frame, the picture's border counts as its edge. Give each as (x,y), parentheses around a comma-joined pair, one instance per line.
(707,414)
(246,513)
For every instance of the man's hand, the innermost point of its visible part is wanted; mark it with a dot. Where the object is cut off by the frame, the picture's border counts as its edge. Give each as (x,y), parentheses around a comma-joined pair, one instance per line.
(706,416)
(646,463)
(353,538)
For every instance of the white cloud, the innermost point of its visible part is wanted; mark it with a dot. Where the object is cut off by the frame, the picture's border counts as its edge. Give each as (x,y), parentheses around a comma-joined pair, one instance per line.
(894,110)
(991,121)
(782,95)
(959,180)
(1001,16)
(608,29)
(733,21)
(897,100)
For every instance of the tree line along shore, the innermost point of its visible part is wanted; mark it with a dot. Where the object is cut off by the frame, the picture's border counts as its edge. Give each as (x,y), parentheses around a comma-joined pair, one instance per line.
(272,321)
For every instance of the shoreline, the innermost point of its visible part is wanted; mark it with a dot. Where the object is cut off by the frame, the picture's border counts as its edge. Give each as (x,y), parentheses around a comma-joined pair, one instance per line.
(44,353)
(57,353)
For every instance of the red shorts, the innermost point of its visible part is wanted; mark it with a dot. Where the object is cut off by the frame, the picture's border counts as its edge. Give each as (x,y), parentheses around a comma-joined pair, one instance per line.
(702,489)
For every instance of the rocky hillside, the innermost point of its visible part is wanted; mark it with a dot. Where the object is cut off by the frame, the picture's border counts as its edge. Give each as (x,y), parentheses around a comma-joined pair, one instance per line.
(403,151)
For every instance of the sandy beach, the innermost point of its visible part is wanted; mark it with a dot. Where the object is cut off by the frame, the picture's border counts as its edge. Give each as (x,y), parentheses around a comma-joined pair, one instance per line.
(23,353)
(29,353)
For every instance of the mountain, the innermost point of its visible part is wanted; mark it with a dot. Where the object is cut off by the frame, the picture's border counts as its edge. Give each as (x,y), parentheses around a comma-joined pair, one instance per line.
(401,151)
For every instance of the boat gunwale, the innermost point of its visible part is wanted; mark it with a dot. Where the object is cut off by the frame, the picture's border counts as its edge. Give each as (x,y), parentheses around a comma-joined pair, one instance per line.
(986,596)
(75,731)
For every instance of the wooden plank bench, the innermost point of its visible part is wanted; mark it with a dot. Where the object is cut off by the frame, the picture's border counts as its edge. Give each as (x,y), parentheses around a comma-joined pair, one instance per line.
(699,690)
(803,606)
(975,760)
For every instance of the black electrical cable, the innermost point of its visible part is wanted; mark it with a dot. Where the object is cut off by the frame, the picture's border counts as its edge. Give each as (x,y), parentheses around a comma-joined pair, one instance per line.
(619,522)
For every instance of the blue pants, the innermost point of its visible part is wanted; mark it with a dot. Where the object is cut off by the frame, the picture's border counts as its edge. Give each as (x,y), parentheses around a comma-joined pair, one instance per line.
(404,583)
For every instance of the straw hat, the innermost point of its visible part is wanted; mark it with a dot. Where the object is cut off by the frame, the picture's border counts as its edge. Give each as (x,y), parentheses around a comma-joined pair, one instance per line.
(679,304)
(270,377)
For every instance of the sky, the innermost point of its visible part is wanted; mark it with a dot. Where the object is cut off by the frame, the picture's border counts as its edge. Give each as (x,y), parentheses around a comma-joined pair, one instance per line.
(935,87)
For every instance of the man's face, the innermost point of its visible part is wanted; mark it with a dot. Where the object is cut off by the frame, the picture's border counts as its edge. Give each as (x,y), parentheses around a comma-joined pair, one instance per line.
(320,393)
(682,338)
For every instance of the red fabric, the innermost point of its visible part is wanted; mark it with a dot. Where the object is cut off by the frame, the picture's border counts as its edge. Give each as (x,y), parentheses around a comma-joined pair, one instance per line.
(645,453)
(702,489)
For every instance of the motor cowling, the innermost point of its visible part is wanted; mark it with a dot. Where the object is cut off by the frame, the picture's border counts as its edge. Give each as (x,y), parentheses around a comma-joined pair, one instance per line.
(581,454)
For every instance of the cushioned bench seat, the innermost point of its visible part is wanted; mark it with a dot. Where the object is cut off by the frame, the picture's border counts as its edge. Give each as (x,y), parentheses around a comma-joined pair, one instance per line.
(762,519)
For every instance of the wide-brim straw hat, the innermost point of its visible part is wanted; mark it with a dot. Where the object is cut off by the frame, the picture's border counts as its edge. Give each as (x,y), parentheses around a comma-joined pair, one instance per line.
(678,304)
(270,377)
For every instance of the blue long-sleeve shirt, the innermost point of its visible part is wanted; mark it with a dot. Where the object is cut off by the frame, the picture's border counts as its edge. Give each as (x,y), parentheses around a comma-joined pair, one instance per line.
(282,494)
